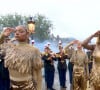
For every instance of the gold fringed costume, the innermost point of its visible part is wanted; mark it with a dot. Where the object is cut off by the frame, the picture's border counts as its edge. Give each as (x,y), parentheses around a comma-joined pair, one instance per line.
(22,59)
(95,74)
(80,70)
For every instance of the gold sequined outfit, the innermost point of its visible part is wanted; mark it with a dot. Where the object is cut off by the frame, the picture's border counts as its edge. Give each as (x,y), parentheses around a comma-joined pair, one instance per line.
(22,60)
(79,59)
(95,74)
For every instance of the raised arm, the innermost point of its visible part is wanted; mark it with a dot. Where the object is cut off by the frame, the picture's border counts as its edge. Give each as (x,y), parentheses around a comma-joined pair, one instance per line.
(85,43)
(68,45)
(5,33)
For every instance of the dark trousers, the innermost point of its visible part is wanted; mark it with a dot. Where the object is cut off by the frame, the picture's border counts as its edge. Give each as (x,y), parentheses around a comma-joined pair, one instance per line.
(90,67)
(70,68)
(4,80)
(62,77)
(49,78)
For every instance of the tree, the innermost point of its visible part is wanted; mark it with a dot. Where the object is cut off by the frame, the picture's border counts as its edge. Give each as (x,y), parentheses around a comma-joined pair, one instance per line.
(43,25)
(12,20)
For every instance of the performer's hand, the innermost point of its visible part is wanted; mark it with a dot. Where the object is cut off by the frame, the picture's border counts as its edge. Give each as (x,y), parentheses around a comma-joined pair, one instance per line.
(49,58)
(7,31)
(96,33)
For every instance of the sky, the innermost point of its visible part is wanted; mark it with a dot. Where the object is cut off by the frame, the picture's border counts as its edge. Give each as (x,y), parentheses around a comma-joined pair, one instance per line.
(71,18)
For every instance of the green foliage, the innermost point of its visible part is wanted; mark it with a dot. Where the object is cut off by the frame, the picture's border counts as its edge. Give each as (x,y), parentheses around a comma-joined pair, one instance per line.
(43,25)
(11,20)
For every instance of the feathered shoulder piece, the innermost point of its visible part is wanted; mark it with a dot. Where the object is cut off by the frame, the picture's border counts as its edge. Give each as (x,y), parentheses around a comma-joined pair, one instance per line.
(22,57)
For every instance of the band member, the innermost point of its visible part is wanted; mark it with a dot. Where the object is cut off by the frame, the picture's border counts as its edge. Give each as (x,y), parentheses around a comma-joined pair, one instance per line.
(32,42)
(60,42)
(80,69)
(48,44)
(49,68)
(4,73)
(90,57)
(62,66)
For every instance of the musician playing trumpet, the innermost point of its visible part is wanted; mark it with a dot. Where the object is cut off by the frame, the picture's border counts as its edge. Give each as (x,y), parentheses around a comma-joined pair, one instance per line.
(49,69)
(62,66)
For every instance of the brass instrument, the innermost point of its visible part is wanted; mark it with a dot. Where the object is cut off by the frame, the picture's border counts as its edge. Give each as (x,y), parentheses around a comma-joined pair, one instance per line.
(60,55)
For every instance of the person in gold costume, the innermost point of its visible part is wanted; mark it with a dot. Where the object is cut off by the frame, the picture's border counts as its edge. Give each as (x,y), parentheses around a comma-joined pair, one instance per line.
(69,49)
(80,68)
(21,59)
(95,74)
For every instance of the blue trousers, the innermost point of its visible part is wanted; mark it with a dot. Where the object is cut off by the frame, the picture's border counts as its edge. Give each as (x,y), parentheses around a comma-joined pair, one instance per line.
(49,78)
(5,81)
(70,68)
(62,77)
(90,66)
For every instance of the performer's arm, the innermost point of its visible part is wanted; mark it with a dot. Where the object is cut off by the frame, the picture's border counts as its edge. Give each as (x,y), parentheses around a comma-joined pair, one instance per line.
(85,43)
(5,33)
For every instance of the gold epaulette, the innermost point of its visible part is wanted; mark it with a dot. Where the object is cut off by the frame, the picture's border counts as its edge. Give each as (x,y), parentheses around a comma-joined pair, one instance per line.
(44,53)
(57,55)
(65,52)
